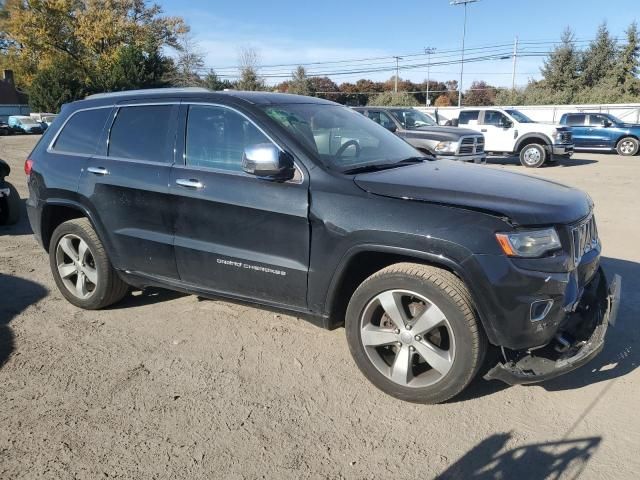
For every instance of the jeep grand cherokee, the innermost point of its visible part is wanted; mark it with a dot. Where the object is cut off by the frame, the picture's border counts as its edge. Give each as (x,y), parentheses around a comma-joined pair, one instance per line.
(301,204)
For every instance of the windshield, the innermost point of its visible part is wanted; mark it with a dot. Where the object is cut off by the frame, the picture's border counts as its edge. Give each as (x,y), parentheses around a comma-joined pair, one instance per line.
(342,138)
(411,119)
(613,118)
(519,116)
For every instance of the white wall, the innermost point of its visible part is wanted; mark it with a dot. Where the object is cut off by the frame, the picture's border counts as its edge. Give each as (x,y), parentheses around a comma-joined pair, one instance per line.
(629,113)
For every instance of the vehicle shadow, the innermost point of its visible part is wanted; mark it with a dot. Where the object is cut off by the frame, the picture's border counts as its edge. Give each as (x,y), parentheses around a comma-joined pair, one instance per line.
(20,228)
(562,163)
(148,296)
(554,459)
(620,355)
(17,294)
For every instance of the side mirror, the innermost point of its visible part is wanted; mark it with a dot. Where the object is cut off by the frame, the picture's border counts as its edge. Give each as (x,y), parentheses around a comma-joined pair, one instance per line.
(606,123)
(268,161)
(391,127)
(506,123)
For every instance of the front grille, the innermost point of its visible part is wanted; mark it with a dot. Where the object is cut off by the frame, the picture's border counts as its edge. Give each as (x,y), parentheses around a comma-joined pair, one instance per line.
(585,238)
(565,137)
(471,145)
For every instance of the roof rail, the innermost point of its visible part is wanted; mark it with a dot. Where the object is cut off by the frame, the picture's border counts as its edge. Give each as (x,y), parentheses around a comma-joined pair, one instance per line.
(149,91)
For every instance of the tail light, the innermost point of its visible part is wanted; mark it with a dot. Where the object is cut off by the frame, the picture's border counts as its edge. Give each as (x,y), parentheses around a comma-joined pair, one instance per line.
(28,165)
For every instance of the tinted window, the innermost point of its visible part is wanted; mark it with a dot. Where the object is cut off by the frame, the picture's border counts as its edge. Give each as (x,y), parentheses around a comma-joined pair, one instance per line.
(467,116)
(492,117)
(598,120)
(217,137)
(142,133)
(575,120)
(381,118)
(82,132)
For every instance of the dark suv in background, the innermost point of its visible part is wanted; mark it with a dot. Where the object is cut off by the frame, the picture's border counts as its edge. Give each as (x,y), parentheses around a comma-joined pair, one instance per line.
(301,204)
(421,131)
(602,131)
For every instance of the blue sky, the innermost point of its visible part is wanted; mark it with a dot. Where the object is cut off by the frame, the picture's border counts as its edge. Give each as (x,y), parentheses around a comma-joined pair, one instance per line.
(289,32)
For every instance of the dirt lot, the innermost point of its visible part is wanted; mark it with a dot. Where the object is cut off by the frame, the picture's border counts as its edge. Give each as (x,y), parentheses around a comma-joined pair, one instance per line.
(165,385)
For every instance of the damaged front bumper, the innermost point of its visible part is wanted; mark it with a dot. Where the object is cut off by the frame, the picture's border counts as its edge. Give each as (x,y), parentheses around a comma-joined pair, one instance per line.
(579,339)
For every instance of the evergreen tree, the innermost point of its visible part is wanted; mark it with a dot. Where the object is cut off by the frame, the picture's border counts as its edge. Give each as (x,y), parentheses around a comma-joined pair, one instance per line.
(628,62)
(249,78)
(598,60)
(560,68)
(213,82)
(300,84)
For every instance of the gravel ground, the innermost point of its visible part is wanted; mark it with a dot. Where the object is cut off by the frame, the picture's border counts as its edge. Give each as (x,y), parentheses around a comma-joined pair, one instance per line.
(165,385)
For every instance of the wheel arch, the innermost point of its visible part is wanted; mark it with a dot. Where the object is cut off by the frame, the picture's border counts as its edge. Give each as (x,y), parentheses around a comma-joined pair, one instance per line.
(628,135)
(57,211)
(362,261)
(530,138)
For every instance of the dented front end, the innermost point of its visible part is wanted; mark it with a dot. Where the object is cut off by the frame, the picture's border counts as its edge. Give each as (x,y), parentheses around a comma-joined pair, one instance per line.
(579,337)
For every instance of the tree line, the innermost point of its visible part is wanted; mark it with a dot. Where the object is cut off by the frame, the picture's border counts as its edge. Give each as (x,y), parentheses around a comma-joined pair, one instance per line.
(64,50)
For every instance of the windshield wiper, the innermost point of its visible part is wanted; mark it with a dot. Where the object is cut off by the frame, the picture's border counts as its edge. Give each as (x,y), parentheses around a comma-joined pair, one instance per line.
(374,167)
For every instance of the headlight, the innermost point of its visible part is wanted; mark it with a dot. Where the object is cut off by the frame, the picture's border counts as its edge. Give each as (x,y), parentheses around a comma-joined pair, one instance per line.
(443,147)
(533,243)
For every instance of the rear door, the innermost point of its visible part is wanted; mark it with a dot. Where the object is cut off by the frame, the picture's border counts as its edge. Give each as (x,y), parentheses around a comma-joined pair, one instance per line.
(579,129)
(235,233)
(126,184)
(498,137)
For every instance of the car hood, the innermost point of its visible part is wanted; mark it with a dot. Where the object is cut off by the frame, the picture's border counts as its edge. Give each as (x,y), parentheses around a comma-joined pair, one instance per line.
(525,200)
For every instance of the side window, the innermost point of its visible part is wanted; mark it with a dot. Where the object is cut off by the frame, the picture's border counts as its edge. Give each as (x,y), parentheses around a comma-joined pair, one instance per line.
(142,133)
(82,132)
(467,116)
(381,118)
(492,117)
(575,120)
(217,137)
(597,120)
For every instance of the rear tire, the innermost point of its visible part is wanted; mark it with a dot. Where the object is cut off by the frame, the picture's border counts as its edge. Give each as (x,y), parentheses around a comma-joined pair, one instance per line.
(81,268)
(627,147)
(533,155)
(10,208)
(441,339)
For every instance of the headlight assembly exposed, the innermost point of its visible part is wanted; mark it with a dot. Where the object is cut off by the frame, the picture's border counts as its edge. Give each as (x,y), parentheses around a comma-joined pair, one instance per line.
(445,147)
(532,243)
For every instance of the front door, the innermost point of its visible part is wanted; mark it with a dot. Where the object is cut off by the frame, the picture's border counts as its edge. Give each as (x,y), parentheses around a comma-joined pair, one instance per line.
(498,137)
(235,233)
(127,185)
(600,135)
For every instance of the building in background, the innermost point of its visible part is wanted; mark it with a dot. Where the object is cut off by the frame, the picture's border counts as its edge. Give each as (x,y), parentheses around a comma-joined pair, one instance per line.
(12,100)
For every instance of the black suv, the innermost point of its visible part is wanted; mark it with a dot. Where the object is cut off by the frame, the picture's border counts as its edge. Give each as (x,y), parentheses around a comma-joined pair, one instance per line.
(302,204)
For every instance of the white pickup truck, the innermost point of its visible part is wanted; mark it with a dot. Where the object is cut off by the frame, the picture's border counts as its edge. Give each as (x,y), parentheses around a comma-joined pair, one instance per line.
(508,131)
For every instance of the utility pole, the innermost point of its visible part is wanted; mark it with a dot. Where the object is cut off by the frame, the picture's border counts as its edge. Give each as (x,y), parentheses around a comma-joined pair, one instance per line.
(515,59)
(397,59)
(428,51)
(464,34)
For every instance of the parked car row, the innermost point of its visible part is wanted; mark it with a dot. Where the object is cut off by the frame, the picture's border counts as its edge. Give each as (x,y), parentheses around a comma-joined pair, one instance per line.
(36,123)
(602,131)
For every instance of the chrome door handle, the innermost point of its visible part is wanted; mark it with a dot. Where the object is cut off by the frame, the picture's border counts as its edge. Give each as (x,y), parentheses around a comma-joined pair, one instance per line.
(98,170)
(190,183)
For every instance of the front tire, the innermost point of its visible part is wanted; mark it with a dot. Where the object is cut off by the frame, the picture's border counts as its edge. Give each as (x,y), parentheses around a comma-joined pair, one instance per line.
(627,147)
(80,266)
(533,155)
(413,333)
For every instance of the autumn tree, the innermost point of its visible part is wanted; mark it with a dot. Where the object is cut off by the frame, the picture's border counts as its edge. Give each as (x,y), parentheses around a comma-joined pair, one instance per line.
(188,63)
(97,41)
(480,94)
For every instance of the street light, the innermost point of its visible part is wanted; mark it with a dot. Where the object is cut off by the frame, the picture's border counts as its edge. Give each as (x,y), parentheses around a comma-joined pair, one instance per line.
(428,51)
(464,34)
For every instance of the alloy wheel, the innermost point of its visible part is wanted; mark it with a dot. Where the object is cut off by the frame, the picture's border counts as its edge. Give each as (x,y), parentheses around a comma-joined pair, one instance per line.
(627,147)
(76,266)
(531,156)
(407,338)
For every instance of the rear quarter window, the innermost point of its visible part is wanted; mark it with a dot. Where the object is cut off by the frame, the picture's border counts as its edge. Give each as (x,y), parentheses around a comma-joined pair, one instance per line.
(82,131)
